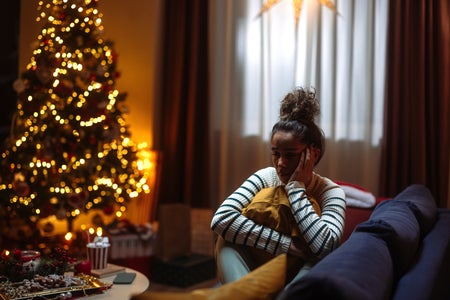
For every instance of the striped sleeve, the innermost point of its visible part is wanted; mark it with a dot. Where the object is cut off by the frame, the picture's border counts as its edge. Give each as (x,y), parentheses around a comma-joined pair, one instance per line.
(234,227)
(322,233)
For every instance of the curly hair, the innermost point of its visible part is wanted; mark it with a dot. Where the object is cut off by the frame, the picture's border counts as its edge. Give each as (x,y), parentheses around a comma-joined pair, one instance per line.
(298,112)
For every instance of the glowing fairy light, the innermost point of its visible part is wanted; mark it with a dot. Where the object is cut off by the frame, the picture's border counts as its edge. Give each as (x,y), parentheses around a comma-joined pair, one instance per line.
(70,143)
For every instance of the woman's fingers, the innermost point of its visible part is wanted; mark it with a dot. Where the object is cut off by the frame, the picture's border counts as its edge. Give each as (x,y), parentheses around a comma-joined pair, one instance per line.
(295,173)
(304,168)
(307,157)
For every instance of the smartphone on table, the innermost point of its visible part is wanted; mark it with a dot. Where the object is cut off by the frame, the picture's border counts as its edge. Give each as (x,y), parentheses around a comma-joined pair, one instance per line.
(124,278)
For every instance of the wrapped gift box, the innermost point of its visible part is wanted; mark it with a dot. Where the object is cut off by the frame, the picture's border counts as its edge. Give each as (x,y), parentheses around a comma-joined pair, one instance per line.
(131,245)
(132,241)
(183,271)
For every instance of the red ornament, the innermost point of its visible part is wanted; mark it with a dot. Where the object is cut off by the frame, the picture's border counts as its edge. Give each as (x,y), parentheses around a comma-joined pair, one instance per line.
(84,267)
(17,253)
(21,188)
(61,213)
(108,210)
(47,210)
(64,90)
(106,87)
(77,200)
(5,255)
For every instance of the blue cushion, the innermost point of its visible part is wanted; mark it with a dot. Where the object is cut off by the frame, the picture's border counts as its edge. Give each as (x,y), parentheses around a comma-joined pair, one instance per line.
(428,278)
(402,222)
(378,253)
(394,221)
(361,268)
(423,205)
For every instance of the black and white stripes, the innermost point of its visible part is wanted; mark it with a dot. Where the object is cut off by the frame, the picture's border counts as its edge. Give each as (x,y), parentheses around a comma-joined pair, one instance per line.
(322,233)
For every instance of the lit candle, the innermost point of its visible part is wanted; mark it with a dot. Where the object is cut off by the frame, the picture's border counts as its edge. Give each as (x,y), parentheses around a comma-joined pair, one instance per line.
(68,236)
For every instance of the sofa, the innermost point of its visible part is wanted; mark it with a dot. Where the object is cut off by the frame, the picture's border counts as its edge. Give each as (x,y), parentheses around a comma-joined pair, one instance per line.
(402,251)
(399,249)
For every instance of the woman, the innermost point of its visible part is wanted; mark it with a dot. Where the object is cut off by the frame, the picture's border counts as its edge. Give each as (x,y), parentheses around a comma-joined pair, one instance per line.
(297,145)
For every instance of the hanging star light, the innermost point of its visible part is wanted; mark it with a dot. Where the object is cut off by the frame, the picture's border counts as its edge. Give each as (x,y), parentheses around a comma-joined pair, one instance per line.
(297,4)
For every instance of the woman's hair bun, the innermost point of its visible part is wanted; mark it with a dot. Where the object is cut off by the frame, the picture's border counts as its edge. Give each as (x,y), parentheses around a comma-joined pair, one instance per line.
(300,105)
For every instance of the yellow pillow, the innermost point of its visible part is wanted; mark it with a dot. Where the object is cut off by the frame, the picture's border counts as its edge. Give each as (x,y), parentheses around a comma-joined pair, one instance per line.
(265,282)
(271,207)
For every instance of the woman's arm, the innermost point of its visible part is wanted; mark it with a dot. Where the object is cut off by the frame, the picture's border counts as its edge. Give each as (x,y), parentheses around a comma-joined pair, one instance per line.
(234,227)
(322,233)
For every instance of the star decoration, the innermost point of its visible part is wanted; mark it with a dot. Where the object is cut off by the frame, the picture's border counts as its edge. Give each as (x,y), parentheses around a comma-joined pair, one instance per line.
(297,4)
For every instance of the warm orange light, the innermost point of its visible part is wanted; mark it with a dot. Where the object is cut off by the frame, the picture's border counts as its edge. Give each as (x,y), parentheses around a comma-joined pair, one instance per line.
(99,231)
(297,5)
(68,236)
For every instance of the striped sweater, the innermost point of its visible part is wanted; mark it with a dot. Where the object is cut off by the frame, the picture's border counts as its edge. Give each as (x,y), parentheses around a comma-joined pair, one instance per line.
(322,233)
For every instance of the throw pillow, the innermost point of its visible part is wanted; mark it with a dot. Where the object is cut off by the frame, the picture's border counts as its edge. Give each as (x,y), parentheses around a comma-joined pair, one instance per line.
(422,204)
(360,269)
(271,207)
(395,222)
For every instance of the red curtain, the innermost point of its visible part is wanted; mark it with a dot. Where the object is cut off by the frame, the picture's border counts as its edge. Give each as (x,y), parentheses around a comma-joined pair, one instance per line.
(417,129)
(184,130)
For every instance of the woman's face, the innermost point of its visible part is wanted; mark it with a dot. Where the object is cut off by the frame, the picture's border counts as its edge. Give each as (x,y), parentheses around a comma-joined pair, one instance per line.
(286,152)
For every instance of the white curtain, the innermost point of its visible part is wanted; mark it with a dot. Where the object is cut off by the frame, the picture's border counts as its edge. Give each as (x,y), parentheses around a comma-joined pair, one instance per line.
(255,61)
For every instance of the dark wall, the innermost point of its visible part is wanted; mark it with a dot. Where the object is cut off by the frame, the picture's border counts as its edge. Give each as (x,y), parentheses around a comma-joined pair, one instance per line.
(9,57)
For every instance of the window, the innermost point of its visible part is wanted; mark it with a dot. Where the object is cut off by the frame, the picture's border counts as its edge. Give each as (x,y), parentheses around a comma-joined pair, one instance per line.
(341,55)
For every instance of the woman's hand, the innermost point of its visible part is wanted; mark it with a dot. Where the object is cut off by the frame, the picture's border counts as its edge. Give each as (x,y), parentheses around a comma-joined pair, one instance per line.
(294,249)
(304,169)
(299,248)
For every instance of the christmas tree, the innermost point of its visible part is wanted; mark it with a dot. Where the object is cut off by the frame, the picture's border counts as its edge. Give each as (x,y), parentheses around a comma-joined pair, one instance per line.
(70,149)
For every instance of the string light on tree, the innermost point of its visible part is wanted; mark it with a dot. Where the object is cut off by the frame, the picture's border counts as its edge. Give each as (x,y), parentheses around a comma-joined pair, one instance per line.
(70,149)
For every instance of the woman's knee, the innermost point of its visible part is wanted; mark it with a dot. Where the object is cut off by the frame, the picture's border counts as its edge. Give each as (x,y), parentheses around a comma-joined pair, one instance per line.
(231,265)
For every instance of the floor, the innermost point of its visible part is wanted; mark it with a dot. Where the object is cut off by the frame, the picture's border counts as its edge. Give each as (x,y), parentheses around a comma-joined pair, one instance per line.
(156,287)
(144,265)
(201,242)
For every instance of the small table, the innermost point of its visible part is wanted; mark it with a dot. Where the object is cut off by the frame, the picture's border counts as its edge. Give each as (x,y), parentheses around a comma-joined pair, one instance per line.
(122,291)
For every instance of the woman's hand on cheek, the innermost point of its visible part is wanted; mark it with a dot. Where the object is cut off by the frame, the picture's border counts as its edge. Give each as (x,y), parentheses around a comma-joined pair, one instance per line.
(294,175)
(303,171)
